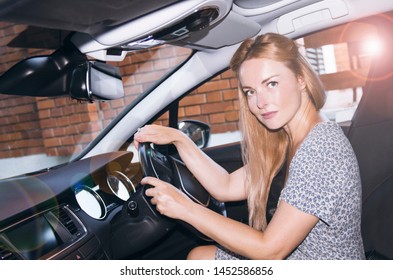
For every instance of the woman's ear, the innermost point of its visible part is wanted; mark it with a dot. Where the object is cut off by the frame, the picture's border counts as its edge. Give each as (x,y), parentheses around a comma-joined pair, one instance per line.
(301,83)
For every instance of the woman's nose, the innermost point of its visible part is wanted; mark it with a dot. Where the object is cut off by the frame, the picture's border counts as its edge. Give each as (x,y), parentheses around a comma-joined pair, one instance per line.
(261,100)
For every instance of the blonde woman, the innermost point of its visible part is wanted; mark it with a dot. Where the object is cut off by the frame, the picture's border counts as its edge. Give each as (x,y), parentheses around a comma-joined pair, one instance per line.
(318,214)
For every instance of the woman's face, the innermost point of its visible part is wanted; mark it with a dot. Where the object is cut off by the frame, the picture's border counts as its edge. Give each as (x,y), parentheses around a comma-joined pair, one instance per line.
(272,90)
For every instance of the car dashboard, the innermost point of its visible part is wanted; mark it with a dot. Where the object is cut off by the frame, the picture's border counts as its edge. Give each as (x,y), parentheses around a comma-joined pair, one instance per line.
(69,212)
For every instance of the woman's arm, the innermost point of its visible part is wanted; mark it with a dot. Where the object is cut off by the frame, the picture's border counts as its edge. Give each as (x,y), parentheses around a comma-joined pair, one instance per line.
(285,232)
(216,180)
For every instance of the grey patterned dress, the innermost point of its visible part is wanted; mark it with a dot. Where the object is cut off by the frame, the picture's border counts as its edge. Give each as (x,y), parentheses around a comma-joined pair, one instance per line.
(324,181)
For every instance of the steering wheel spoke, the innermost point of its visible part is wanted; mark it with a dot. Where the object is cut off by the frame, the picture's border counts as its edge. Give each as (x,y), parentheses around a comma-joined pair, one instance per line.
(174,171)
(155,164)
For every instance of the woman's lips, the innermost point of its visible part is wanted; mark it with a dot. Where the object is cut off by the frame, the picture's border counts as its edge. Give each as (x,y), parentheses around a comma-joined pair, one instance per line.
(269,115)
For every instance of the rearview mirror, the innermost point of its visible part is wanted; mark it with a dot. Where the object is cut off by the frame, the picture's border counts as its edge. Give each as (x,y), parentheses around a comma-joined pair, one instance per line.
(96,81)
(64,72)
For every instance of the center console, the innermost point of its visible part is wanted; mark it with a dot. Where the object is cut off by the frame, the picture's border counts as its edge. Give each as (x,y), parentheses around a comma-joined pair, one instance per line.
(49,235)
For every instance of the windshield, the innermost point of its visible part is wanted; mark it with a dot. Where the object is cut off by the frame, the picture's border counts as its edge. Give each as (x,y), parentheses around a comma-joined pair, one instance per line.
(41,132)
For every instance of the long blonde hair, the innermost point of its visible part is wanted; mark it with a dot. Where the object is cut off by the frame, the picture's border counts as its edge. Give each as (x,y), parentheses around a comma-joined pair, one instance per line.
(264,150)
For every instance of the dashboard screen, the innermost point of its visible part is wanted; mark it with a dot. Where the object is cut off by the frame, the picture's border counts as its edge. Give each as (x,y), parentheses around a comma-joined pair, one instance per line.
(34,238)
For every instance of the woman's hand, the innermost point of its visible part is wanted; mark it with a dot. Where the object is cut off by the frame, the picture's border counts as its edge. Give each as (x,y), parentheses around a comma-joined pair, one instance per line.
(156,134)
(168,200)
(213,177)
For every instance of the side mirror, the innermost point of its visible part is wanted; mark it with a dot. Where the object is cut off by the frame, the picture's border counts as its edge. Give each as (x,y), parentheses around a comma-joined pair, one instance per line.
(96,81)
(199,132)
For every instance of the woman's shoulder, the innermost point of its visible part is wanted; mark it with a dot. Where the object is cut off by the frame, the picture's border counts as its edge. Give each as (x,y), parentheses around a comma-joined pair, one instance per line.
(327,139)
(327,132)
(327,128)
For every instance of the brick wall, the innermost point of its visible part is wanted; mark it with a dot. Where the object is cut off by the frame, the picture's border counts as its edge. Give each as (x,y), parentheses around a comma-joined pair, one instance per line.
(19,127)
(215,103)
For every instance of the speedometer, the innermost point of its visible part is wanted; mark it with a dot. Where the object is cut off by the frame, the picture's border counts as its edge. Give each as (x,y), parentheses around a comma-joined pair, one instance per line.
(120,185)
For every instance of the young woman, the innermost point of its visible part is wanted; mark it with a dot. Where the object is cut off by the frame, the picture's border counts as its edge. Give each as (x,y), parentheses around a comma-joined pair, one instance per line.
(319,210)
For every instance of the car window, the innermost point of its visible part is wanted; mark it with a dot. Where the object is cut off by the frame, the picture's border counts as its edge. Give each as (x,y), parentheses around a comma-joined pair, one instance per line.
(40,132)
(341,56)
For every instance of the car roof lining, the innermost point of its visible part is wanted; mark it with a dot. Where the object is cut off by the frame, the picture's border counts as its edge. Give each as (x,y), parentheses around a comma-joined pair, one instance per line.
(39,38)
(89,16)
(253,4)
(51,19)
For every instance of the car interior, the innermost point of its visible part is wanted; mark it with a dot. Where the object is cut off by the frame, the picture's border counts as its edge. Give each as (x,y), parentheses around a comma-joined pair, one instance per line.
(93,206)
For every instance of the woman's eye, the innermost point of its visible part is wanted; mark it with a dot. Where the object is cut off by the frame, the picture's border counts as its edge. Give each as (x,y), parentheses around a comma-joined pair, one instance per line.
(249,92)
(272,84)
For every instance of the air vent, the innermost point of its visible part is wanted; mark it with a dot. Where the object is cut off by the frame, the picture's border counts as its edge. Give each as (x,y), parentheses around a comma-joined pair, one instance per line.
(66,220)
(6,254)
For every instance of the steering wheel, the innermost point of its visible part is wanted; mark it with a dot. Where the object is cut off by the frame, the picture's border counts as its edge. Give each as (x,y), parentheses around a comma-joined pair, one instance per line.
(174,171)
(139,225)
